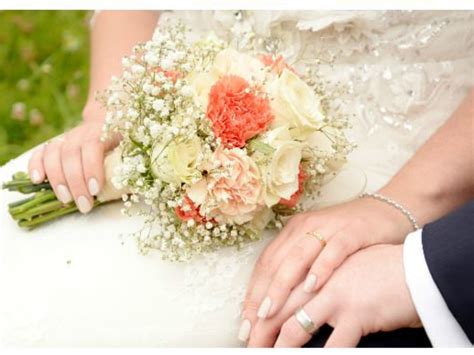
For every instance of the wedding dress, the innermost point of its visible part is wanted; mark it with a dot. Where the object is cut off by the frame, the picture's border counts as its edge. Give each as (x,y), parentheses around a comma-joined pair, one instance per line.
(80,281)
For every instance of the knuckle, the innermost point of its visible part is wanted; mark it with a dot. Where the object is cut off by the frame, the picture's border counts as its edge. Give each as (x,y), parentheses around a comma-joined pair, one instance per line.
(68,150)
(281,284)
(264,264)
(298,251)
(50,149)
(250,306)
(342,245)
(330,258)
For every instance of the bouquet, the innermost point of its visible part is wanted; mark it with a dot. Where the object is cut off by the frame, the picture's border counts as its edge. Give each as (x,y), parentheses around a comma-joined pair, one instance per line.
(217,144)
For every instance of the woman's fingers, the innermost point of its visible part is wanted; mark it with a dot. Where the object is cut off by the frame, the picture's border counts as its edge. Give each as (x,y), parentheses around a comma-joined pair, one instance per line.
(290,273)
(261,277)
(292,333)
(93,166)
(54,171)
(35,166)
(266,331)
(338,248)
(71,159)
(346,334)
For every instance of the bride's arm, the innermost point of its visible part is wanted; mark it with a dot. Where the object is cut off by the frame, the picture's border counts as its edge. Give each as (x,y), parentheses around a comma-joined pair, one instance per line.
(73,163)
(113,34)
(438,178)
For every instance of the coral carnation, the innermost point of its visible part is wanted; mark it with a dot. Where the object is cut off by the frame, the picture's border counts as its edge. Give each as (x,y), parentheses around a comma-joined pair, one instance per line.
(237,114)
(191,213)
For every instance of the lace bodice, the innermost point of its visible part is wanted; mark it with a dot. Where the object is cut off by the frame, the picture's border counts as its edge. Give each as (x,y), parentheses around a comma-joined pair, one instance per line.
(405,73)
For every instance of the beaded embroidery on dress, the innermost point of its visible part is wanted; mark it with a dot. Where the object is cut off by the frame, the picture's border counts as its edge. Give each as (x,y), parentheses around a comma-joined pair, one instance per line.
(79,282)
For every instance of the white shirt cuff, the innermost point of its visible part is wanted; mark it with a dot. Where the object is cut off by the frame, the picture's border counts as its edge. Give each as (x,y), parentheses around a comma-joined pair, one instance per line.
(439,323)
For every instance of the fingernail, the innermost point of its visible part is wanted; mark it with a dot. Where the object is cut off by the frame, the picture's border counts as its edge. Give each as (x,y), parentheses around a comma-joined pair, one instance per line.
(63,194)
(309,283)
(244,330)
(83,204)
(35,176)
(93,186)
(264,308)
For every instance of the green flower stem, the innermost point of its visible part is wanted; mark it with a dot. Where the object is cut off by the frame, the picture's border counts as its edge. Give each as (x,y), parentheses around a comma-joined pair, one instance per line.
(39,198)
(20,202)
(36,221)
(40,210)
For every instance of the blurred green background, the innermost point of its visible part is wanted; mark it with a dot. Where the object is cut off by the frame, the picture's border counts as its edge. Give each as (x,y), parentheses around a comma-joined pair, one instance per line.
(44,59)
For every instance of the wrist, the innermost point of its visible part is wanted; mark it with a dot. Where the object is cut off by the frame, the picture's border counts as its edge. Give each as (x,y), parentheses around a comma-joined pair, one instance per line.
(392,226)
(411,317)
(93,112)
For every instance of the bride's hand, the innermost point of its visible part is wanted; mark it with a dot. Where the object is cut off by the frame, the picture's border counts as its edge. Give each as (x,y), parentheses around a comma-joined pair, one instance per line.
(294,256)
(367,294)
(74,162)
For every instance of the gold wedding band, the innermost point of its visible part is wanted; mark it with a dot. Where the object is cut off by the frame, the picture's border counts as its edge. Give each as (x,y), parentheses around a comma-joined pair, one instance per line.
(318,237)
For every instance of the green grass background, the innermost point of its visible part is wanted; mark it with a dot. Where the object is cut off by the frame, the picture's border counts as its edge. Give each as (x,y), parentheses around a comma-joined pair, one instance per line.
(44,60)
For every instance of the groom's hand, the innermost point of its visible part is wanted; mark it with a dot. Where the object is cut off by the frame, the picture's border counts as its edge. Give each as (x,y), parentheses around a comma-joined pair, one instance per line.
(296,256)
(366,294)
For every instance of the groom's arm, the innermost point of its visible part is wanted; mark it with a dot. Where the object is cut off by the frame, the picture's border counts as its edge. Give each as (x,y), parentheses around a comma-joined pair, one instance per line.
(439,266)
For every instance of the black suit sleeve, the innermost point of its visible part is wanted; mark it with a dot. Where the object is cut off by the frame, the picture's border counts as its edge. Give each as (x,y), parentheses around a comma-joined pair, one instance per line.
(448,245)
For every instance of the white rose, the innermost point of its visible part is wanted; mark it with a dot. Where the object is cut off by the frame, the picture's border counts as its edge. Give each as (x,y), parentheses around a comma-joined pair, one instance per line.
(295,104)
(176,162)
(231,62)
(261,220)
(282,172)
(227,62)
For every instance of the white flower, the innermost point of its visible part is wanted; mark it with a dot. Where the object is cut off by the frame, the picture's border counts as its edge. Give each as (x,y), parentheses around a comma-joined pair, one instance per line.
(151,58)
(282,172)
(138,69)
(158,105)
(295,104)
(176,162)
(132,113)
(227,62)
(261,220)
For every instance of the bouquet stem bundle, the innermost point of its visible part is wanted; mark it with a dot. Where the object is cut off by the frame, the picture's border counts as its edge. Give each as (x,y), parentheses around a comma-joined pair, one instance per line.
(41,207)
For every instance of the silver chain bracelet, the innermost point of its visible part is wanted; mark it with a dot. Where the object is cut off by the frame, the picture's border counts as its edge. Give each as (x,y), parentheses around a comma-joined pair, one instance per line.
(393,204)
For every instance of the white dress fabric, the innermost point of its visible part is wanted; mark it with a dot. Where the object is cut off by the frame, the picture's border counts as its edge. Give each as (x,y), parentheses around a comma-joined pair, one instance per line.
(81,282)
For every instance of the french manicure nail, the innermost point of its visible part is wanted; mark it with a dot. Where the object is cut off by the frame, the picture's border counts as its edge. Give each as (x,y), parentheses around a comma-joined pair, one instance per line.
(63,194)
(244,330)
(35,176)
(309,283)
(83,204)
(264,308)
(93,186)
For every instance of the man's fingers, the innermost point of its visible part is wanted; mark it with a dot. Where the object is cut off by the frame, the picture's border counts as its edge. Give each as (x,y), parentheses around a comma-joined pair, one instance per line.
(346,334)
(292,333)
(72,166)
(93,166)
(338,248)
(289,274)
(35,166)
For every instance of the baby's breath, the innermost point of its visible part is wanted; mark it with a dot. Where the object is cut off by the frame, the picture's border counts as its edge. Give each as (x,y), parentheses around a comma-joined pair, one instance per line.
(152,105)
